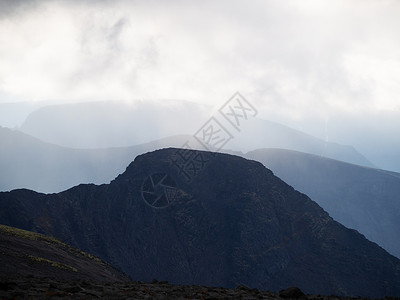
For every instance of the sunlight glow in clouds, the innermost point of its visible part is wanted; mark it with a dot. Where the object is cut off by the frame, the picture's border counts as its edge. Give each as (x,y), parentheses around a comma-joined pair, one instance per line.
(294,57)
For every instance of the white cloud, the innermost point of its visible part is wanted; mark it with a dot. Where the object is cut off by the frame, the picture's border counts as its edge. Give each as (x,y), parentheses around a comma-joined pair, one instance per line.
(291,57)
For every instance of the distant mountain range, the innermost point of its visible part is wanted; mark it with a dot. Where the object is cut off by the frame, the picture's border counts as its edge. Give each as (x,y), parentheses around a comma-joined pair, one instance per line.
(343,190)
(52,166)
(258,133)
(362,198)
(232,222)
(27,162)
(115,124)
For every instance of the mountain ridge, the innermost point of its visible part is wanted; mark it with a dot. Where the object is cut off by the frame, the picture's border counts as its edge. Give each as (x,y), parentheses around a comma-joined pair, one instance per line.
(102,124)
(28,162)
(233,223)
(359,197)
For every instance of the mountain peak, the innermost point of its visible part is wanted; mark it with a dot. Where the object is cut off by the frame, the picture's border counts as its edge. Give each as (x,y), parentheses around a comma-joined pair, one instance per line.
(196,217)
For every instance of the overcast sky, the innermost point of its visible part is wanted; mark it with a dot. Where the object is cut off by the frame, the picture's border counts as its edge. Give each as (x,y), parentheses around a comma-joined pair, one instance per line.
(286,56)
(329,68)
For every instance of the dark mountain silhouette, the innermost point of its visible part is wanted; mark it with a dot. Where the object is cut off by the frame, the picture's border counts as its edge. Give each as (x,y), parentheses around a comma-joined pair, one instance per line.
(115,124)
(233,223)
(365,199)
(24,253)
(27,162)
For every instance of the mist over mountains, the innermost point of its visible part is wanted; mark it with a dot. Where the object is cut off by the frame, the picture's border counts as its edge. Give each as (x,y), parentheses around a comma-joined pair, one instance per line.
(372,135)
(27,162)
(79,125)
(114,124)
(108,124)
(234,223)
(122,136)
(93,142)
(61,146)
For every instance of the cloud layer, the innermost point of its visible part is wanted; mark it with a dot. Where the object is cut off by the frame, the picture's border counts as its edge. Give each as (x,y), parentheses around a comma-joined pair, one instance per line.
(329,68)
(289,56)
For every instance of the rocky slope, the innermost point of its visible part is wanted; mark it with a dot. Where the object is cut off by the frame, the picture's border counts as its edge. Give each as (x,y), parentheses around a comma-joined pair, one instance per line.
(365,199)
(233,223)
(24,253)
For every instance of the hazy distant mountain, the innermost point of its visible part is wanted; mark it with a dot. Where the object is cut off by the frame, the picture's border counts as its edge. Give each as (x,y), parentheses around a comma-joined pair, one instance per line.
(375,134)
(112,124)
(258,133)
(13,114)
(24,253)
(362,198)
(27,162)
(233,223)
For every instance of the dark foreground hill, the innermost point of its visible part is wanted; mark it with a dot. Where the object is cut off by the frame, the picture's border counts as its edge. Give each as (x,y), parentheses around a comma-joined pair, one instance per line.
(362,198)
(49,288)
(24,253)
(233,223)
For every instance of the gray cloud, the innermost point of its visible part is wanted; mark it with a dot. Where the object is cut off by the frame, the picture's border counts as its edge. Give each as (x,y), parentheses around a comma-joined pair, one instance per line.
(272,50)
(297,60)
(10,7)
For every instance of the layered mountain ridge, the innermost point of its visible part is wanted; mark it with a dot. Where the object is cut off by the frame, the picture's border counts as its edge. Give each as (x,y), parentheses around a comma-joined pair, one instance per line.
(28,162)
(232,222)
(362,198)
(111,124)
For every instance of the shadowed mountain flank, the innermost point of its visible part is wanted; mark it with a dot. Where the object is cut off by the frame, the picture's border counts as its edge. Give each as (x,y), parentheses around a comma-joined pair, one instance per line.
(193,217)
(365,199)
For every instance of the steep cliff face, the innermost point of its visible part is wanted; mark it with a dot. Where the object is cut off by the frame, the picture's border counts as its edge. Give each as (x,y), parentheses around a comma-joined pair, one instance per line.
(217,220)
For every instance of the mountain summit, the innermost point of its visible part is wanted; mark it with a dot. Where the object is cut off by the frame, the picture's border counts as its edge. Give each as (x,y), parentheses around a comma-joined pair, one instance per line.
(193,217)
